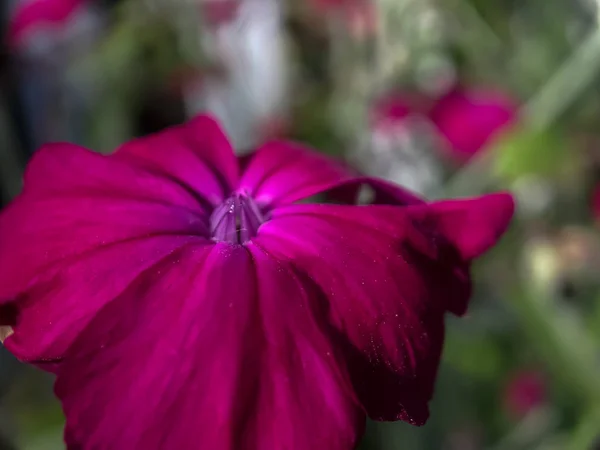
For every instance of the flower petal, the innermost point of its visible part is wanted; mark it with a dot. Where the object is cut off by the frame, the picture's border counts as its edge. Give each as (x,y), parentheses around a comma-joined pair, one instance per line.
(196,154)
(473,226)
(39,233)
(75,201)
(65,170)
(470,119)
(389,283)
(283,172)
(209,355)
(304,373)
(52,313)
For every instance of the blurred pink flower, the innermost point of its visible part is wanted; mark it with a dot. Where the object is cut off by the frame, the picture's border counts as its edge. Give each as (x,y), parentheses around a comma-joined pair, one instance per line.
(31,16)
(469,119)
(218,12)
(392,108)
(184,298)
(525,391)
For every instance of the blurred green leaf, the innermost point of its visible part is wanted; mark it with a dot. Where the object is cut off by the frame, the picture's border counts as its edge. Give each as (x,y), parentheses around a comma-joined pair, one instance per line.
(476,356)
(531,152)
(586,434)
(558,333)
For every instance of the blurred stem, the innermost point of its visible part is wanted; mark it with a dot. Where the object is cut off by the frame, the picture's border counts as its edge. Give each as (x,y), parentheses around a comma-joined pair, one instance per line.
(463,9)
(566,85)
(189,33)
(587,432)
(561,90)
(529,431)
(561,340)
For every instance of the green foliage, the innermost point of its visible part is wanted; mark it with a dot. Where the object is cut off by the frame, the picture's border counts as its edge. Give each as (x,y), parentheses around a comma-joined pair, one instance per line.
(523,151)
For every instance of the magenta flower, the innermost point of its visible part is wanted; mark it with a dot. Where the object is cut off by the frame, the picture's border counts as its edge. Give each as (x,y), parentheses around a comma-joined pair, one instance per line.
(525,391)
(471,119)
(219,12)
(394,108)
(34,15)
(390,109)
(185,299)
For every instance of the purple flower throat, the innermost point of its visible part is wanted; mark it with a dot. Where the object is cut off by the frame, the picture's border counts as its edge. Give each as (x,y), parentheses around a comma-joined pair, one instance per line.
(236,220)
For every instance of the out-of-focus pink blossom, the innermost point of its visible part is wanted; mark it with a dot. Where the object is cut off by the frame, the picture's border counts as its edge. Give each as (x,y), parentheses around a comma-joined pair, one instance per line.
(362,19)
(393,108)
(525,391)
(32,16)
(470,119)
(218,12)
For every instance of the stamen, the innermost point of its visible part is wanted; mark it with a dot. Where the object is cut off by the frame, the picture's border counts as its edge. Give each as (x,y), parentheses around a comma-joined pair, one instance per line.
(236,220)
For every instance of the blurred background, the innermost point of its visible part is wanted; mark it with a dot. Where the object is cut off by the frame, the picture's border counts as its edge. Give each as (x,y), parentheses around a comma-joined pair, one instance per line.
(447,97)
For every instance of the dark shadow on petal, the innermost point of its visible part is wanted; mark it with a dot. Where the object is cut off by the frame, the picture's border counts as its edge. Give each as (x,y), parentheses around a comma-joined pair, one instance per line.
(449,275)
(389,395)
(8,314)
(376,192)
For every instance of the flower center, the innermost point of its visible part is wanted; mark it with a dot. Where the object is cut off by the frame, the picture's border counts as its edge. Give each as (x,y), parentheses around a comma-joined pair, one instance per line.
(236,220)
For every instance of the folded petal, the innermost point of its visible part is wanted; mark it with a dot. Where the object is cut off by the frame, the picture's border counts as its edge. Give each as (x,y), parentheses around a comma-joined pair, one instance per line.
(383,193)
(196,154)
(284,172)
(389,284)
(209,355)
(472,226)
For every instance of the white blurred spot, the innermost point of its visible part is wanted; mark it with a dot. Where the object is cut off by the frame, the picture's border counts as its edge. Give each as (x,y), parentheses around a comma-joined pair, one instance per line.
(252,49)
(534,195)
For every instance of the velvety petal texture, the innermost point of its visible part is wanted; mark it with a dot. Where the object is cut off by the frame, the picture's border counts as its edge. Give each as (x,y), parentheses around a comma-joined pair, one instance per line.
(197,155)
(184,299)
(244,364)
